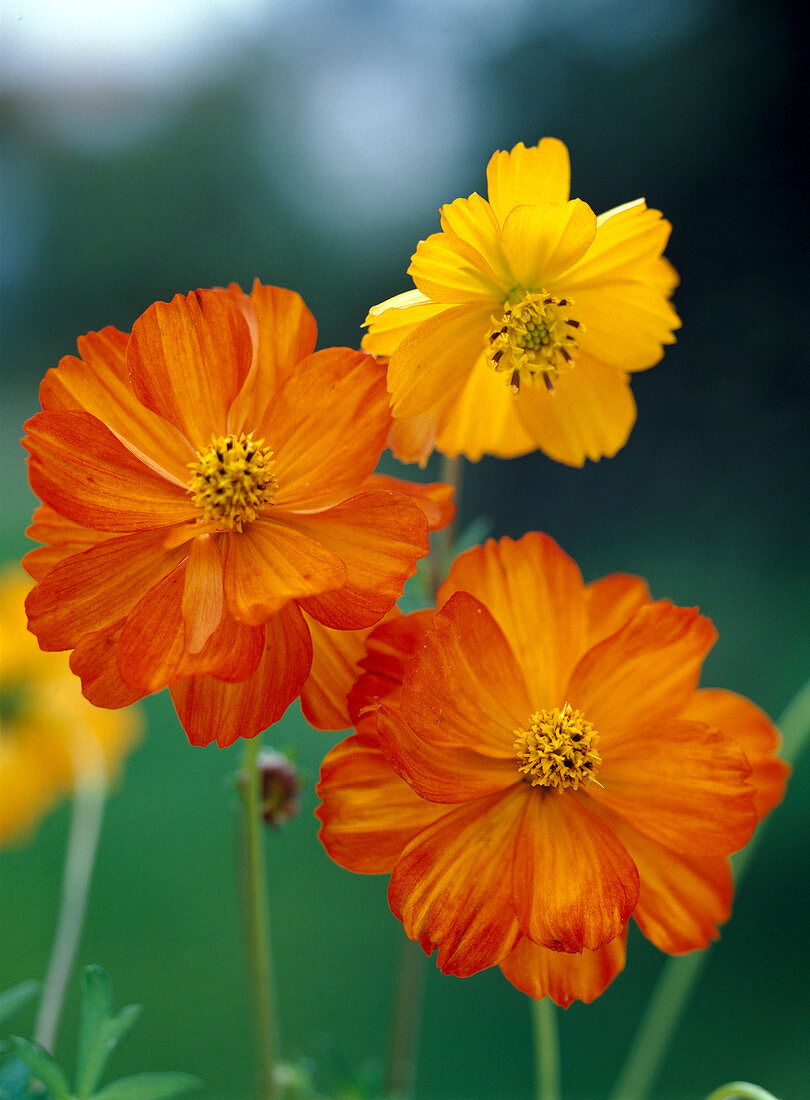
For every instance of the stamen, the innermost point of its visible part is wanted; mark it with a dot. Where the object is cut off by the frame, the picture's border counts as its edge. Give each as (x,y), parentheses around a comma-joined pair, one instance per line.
(559,749)
(529,342)
(232,481)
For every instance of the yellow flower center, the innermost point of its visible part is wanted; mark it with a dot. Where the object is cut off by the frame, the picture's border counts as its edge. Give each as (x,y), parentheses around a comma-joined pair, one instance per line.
(558,749)
(533,340)
(232,480)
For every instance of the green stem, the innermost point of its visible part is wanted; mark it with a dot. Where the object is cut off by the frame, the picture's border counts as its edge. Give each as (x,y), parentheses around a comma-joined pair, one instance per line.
(257,923)
(546,1050)
(680,975)
(406,1020)
(740,1090)
(85,827)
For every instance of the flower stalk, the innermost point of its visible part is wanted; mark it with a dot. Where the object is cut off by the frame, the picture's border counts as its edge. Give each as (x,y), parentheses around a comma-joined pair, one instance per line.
(546,1050)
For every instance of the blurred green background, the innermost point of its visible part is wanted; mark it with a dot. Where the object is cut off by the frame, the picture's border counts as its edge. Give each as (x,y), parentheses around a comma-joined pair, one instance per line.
(310,143)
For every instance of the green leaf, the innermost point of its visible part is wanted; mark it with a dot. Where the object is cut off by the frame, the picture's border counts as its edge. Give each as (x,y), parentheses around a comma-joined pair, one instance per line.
(43,1067)
(16,997)
(149,1086)
(100,1031)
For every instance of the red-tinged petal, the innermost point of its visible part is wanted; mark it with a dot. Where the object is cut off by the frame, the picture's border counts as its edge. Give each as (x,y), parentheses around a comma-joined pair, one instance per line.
(99,384)
(390,649)
(212,710)
(153,650)
(62,537)
(574,883)
(465,687)
(272,562)
(440,773)
(451,888)
(81,469)
(433,362)
(754,732)
(588,415)
(327,427)
(534,591)
(203,597)
(336,657)
(368,813)
(528,176)
(644,673)
(679,783)
(97,587)
(611,602)
(188,359)
(541,242)
(285,333)
(379,537)
(447,269)
(435,498)
(564,976)
(95,661)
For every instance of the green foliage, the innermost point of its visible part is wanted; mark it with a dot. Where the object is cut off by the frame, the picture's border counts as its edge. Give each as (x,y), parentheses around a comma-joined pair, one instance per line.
(14,998)
(99,1034)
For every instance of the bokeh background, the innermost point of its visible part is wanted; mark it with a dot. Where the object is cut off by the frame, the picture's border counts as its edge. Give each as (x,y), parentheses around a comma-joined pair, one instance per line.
(152,148)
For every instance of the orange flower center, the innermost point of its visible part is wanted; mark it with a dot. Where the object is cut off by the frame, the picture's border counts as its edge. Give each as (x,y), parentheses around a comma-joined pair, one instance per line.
(231,480)
(533,340)
(558,749)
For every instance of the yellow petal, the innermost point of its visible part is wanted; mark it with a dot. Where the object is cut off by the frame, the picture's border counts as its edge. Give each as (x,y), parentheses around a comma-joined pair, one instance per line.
(528,176)
(449,270)
(542,242)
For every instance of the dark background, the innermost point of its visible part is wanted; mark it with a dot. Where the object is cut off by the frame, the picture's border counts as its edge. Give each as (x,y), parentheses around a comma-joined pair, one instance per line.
(311,144)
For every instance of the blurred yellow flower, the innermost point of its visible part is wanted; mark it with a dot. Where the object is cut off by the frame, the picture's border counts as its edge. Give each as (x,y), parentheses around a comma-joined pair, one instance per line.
(528,316)
(51,738)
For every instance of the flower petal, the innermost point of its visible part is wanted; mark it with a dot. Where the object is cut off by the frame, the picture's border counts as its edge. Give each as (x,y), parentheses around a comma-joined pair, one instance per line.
(271,562)
(589,414)
(389,322)
(626,324)
(528,176)
(611,602)
(379,538)
(63,537)
(95,661)
(626,242)
(212,710)
(574,884)
(510,578)
(188,359)
(451,887)
(368,813)
(679,783)
(472,222)
(336,657)
(481,419)
(644,673)
(81,469)
(562,975)
(203,597)
(434,498)
(542,242)
(448,269)
(754,732)
(390,649)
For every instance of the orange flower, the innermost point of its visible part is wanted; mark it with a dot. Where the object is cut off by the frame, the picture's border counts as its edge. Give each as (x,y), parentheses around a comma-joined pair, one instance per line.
(534,763)
(208,494)
(528,314)
(51,739)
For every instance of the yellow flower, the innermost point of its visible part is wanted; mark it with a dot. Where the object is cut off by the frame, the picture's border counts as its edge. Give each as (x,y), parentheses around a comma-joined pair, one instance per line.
(51,738)
(529,314)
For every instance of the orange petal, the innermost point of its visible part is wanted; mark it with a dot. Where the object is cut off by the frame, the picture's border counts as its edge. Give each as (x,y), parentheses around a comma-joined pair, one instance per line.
(644,673)
(435,498)
(589,414)
(413,438)
(188,359)
(99,384)
(679,783)
(564,976)
(435,360)
(528,176)
(542,242)
(81,469)
(754,732)
(574,884)
(327,427)
(63,537)
(95,661)
(390,649)
(368,813)
(336,656)
(451,888)
(203,598)
(97,587)
(212,710)
(447,269)
(535,593)
(272,562)
(379,537)
(611,602)
(153,649)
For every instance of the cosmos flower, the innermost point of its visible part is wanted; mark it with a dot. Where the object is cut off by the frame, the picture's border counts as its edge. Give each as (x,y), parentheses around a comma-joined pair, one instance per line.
(209,494)
(534,764)
(51,738)
(529,313)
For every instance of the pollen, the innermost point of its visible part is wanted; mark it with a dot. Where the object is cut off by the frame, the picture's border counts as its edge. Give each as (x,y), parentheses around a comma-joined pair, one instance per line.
(559,749)
(534,340)
(232,480)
